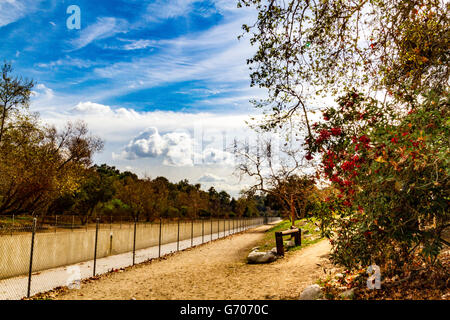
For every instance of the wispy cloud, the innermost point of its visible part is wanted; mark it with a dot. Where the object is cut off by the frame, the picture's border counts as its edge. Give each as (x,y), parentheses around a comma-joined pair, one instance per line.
(69,62)
(214,56)
(13,10)
(162,9)
(138,44)
(105,27)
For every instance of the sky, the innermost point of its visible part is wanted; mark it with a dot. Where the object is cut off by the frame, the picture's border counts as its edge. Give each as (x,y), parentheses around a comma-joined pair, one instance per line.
(164,83)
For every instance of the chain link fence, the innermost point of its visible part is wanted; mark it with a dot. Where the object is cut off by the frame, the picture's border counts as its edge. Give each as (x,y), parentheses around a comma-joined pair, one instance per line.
(40,254)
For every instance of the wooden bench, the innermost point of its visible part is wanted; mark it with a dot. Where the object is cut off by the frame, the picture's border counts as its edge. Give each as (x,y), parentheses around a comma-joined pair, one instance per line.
(294,233)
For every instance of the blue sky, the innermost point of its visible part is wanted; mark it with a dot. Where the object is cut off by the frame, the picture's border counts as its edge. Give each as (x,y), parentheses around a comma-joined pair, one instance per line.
(179,55)
(164,83)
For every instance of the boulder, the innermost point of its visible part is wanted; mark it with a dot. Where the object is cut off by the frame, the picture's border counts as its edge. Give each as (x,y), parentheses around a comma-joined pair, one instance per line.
(256,257)
(290,243)
(312,292)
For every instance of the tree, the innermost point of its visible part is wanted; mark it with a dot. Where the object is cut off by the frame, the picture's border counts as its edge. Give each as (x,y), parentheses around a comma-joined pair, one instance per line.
(308,49)
(214,201)
(281,178)
(39,164)
(14,95)
(224,202)
(382,146)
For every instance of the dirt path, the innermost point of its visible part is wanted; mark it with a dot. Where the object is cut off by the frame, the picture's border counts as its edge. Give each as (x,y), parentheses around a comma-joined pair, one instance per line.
(216,270)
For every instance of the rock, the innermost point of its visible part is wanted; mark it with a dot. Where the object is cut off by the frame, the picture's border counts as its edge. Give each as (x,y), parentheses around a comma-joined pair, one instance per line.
(255,248)
(290,243)
(348,294)
(274,250)
(312,292)
(256,257)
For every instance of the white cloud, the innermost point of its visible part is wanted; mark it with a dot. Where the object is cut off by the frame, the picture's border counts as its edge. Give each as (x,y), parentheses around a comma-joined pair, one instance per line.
(162,9)
(68,62)
(42,92)
(215,56)
(179,149)
(213,156)
(147,144)
(173,149)
(105,27)
(13,10)
(91,108)
(138,44)
(209,177)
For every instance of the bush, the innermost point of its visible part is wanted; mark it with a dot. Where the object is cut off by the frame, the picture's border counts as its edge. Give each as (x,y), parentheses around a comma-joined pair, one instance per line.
(390,168)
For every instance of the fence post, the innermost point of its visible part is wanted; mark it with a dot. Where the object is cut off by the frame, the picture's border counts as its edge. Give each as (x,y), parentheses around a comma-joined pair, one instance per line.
(159,245)
(203,229)
(192,232)
(218,228)
(31,257)
(56,222)
(134,241)
(95,249)
(178,236)
(211,228)
(224,227)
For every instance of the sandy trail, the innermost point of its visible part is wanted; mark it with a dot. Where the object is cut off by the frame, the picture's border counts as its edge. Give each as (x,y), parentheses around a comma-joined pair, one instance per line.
(214,271)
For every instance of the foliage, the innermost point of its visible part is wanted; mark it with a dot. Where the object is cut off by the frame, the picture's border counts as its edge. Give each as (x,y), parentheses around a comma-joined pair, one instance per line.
(391,170)
(310,49)
(37,163)
(384,148)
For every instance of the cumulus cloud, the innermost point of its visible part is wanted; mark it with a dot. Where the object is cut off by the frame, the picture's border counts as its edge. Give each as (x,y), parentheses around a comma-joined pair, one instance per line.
(148,144)
(174,148)
(43,92)
(213,156)
(209,177)
(91,108)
